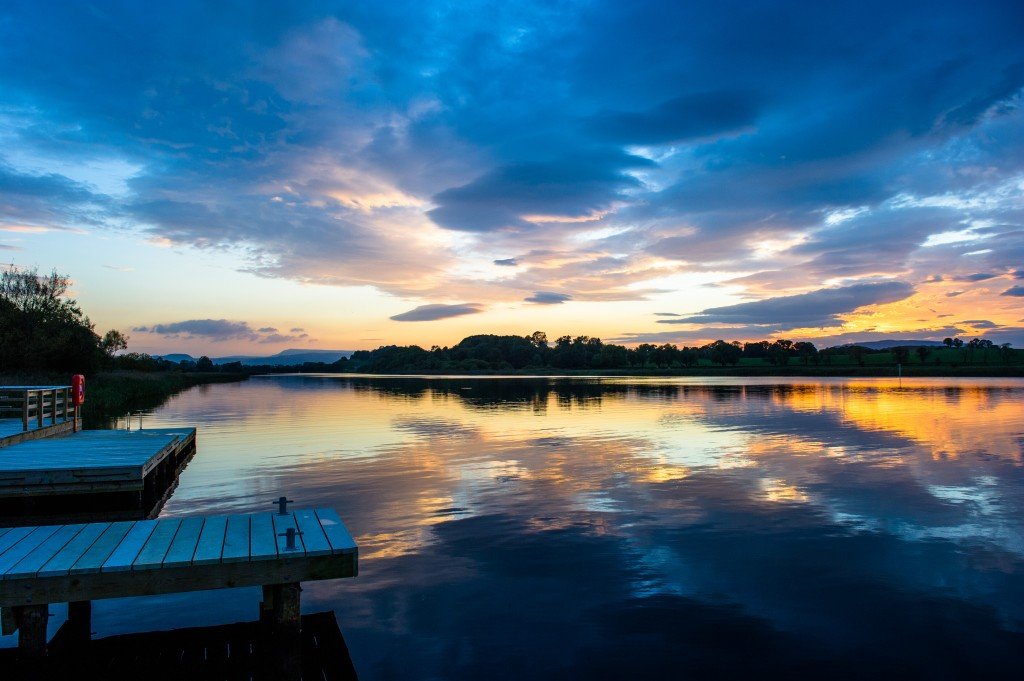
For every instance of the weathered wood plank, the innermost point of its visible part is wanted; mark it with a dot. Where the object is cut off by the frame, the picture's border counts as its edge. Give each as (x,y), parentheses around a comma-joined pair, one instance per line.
(184,545)
(281,525)
(13,555)
(313,537)
(339,536)
(4,530)
(155,549)
(211,541)
(93,559)
(128,550)
(30,564)
(13,537)
(62,561)
(262,542)
(236,540)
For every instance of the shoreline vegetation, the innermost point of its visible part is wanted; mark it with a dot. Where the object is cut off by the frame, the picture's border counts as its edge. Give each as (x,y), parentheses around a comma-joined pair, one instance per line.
(45,338)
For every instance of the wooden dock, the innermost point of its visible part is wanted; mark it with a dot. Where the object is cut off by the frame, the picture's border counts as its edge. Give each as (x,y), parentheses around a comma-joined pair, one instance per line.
(93,462)
(84,562)
(239,651)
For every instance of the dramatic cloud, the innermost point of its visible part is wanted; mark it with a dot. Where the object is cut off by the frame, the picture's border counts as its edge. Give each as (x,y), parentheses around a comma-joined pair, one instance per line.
(324,145)
(705,114)
(429,313)
(569,190)
(218,330)
(1017,291)
(213,328)
(817,308)
(548,298)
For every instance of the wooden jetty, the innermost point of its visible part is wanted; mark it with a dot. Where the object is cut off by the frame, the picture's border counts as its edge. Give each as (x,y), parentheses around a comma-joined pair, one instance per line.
(94,462)
(29,412)
(242,650)
(84,562)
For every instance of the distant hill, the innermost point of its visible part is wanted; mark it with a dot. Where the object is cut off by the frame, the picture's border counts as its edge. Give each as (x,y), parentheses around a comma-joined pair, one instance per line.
(283,358)
(886,344)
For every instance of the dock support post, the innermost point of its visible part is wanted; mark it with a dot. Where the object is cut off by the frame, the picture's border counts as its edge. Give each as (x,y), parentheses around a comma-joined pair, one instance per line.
(32,620)
(80,621)
(281,619)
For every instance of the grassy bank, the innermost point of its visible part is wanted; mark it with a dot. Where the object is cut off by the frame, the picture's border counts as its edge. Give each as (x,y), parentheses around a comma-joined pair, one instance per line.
(109,395)
(113,394)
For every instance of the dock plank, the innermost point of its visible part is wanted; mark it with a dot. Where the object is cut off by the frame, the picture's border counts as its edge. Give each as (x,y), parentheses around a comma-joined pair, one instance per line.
(155,549)
(13,537)
(211,541)
(93,559)
(313,537)
(281,525)
(339,536)
(62,561)
(12,556)
(185,541)
(262,542)
(30,564)
(128,550)
(236,540)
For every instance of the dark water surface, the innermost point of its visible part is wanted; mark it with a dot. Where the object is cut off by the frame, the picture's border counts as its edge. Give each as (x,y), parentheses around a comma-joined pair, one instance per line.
(629,528)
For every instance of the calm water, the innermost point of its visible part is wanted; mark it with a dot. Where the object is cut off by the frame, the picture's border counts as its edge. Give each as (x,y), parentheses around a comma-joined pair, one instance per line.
(671,528)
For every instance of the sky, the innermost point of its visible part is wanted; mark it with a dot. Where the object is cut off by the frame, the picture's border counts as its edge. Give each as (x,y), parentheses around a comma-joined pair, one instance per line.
(247,177)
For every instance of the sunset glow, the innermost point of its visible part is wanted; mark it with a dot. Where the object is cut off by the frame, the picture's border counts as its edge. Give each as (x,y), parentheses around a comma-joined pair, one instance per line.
(331,168)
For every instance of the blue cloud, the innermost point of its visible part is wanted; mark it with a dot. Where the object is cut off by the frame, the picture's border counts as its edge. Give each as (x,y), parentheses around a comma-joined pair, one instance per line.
(817,308)
(548,298)
(691,116)
(433,312)
(217,329)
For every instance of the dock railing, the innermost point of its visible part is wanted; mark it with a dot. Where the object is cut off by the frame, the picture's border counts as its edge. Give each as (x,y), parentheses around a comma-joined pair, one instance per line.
(36,405)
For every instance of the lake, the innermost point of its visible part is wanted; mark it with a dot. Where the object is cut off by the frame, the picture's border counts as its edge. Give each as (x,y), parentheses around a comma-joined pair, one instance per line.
(632,528)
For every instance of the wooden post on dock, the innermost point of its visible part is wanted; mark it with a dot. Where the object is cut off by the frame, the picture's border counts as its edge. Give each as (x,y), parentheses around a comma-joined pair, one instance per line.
(32,621)
(282,624)
(24,412)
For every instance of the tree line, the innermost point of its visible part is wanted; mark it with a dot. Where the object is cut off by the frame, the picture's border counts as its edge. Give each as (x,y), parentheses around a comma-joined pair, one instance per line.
(488,352)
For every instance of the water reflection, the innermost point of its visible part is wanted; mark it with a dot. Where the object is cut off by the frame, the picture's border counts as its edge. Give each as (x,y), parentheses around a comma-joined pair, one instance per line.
(620,528)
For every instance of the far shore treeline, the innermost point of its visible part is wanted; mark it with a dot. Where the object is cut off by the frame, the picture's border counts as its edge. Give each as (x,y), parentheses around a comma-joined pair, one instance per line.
(44,335)
(535,354)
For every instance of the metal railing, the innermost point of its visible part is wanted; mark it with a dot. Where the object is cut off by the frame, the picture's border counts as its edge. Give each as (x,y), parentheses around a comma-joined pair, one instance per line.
(36,404)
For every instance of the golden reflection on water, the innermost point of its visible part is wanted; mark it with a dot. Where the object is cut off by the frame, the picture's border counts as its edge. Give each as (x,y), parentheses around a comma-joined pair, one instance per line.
(422,453)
